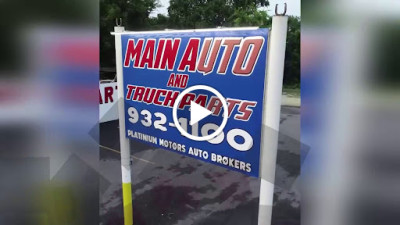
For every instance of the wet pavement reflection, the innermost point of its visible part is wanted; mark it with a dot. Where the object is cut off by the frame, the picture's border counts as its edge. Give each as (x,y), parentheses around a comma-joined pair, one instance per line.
(168,188)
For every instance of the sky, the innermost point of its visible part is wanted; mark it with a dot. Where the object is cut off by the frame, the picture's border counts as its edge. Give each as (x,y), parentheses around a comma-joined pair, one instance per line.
(293,7)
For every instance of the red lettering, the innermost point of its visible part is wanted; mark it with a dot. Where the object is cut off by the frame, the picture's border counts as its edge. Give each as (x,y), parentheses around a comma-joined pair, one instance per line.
(171,80)
(231,105)
(170,52)
(129,92)
(186,100)
(100,98)
(149,95)
(160,48)
(185,79)
(201,100)
(138,96)
(207,67)
(108,92)
(133,52)
(189,58)
(170,98)
(148,54)
(243,67)
(230,44)
(215,105)
(245,112)
(177,80)
(159,93)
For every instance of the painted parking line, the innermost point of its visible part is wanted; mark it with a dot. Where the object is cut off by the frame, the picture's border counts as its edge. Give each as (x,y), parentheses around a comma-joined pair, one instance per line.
(116,151)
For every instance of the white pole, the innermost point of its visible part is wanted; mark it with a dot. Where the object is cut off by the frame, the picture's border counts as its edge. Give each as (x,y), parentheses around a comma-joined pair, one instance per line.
(271,116)
(124,142)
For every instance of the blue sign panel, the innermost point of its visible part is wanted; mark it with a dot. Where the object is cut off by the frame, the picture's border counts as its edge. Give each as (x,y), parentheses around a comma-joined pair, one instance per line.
(157,66)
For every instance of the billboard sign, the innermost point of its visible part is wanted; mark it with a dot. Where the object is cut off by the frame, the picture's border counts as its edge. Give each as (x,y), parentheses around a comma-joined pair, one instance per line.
(159,66)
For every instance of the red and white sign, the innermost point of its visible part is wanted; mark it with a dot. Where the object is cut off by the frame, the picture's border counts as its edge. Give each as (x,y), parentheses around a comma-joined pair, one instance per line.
(108,109)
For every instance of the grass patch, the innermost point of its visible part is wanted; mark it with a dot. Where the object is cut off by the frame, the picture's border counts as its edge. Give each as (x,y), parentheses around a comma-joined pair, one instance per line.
(292,91)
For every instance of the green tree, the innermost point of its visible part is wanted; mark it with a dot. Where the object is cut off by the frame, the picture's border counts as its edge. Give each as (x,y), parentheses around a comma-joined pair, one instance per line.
(189,14)
(292,57)
(160,22)
(208,13)
(135,16)
(253,17)
(250,16)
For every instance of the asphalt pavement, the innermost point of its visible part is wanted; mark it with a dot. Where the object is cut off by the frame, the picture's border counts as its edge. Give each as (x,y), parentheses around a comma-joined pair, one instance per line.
(171,189)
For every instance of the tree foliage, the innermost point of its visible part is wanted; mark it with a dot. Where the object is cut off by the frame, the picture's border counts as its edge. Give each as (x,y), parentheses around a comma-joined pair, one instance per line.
(292,56)
(135,16)
(250,16)
(209,13)
(192,14)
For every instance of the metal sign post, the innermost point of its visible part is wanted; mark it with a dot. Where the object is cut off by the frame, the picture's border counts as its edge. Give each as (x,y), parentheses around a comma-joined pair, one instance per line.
(124,142)
(271,116)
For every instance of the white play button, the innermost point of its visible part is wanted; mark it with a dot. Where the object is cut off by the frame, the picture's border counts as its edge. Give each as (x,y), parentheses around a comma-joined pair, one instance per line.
(197,113)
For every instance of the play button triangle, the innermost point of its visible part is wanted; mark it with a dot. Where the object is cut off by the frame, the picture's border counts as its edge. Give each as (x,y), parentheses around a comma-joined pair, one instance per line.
(197,113)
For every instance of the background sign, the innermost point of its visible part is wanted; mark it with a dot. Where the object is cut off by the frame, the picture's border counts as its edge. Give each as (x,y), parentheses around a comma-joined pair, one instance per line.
(157,66)
(108,97)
